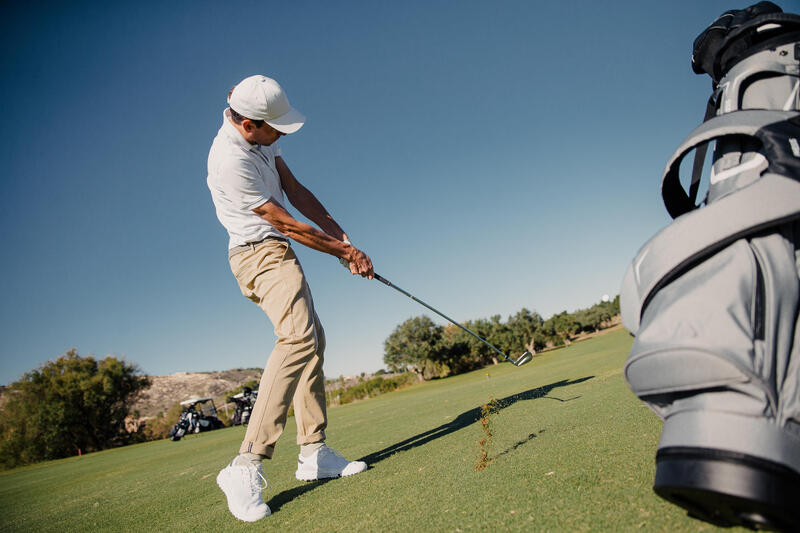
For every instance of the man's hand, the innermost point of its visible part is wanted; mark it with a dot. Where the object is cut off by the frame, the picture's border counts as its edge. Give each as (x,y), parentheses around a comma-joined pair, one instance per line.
(357,261)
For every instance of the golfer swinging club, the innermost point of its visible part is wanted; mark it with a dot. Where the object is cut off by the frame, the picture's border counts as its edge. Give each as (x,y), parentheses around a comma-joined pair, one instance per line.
(248,179)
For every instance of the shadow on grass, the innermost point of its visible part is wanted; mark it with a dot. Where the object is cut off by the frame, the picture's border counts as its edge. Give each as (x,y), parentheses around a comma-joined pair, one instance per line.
(288,495)
(466,418)
(516,445)
(461,421)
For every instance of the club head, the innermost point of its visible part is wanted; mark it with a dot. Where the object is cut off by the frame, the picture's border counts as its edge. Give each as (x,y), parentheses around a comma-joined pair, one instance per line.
(524,358)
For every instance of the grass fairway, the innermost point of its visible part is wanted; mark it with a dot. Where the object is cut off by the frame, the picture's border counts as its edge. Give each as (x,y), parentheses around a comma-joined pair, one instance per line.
(573,450)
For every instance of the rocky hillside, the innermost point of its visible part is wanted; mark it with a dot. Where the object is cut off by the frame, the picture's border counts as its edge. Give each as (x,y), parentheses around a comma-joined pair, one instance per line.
(166,391)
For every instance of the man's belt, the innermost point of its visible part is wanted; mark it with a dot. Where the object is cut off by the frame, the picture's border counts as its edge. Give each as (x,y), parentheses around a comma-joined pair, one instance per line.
(252,245)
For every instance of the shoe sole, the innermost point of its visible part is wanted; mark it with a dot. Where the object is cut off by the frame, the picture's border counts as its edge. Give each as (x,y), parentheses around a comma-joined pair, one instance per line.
(308,476)
(313,477)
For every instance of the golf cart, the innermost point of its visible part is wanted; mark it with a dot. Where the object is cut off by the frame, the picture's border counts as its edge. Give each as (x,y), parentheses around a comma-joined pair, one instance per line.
(199,414)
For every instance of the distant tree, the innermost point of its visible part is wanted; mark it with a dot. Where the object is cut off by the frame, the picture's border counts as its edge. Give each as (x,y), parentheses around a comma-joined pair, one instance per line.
(491,330)
(564,326)
(421,346)
(540,340)
(70,404)
(597,317)
(463,352)
(523,327)
(414,345)
(457,350)
(590,319)
(548,334)
(500,336)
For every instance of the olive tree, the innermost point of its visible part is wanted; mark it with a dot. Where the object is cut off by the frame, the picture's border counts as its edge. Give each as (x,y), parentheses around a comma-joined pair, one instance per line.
(414,345)
(68,405)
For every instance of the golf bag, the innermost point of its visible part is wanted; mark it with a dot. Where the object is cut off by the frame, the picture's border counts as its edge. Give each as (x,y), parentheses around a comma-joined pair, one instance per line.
(713,299)
(185,424)
(194,421)
(244,402)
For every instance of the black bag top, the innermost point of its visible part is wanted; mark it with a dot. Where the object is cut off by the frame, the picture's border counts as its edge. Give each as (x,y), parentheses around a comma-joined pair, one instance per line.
(740,33)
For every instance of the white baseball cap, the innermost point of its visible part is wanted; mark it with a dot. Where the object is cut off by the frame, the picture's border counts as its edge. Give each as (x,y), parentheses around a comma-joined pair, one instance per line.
(261,98)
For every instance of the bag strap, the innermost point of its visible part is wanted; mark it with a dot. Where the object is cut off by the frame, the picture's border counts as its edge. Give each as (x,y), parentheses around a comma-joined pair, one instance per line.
(700,155)
(749,123)
(701,233)
(768,202)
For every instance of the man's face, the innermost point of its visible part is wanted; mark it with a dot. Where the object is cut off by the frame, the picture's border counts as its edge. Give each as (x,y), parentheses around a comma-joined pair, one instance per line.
(265,135)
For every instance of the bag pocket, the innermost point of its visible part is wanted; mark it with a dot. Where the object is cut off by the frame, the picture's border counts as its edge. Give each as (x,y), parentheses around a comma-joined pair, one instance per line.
(698,332)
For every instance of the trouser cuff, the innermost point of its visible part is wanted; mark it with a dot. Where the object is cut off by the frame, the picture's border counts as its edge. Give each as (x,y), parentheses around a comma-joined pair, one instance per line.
(318,436)
(253,447)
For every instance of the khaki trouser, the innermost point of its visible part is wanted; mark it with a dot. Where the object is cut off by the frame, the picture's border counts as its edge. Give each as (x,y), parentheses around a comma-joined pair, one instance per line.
(270,275)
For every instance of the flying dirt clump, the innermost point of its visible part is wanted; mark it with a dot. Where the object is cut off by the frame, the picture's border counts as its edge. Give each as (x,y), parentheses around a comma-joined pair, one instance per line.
(487,410)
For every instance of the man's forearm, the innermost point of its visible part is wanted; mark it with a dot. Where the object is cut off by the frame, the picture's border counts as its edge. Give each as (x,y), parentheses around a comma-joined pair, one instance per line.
(311,208)
(310,236)
(301,232)
(357,261)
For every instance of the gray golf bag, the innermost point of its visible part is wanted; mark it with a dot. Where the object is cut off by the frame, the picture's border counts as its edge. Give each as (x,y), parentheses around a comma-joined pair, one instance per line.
(713,298)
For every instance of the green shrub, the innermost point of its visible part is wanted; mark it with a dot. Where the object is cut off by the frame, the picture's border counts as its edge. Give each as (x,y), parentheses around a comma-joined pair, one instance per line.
(369,389)
(158,427)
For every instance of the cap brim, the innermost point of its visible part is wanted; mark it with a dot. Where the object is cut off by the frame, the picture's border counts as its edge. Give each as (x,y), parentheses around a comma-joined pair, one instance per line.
(289,122)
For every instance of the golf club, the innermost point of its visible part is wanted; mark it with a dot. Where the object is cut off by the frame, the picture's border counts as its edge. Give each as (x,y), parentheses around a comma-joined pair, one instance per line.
(521,360)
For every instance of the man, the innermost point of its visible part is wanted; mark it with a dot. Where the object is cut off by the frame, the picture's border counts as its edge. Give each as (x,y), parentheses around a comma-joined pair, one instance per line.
(248,179)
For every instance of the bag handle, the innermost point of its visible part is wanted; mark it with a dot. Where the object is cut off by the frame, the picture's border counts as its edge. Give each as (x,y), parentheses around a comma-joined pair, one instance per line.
(749,123)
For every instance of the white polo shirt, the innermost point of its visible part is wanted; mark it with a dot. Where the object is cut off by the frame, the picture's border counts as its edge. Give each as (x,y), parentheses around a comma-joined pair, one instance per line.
(241,177)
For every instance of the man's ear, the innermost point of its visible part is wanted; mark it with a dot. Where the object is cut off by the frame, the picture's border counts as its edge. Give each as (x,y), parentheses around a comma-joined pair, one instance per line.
(248,125)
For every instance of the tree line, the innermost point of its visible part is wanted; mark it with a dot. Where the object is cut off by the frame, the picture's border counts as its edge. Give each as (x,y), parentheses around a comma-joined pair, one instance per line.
(431,351)
(78,404)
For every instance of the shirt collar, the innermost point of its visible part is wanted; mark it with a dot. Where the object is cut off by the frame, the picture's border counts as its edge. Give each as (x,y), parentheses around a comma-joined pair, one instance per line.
(233,134)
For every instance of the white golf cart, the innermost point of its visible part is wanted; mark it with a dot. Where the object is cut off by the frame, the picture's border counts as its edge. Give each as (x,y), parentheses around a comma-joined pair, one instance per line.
(199,414)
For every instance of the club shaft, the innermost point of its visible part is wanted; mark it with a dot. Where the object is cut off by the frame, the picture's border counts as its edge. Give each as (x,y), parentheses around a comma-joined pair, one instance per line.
(398,289)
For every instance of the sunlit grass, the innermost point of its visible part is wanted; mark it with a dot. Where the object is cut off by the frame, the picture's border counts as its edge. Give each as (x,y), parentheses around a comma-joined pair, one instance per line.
(571,450)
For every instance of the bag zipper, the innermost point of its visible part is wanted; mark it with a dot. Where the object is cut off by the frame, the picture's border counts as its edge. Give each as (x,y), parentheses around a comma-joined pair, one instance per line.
(759,311)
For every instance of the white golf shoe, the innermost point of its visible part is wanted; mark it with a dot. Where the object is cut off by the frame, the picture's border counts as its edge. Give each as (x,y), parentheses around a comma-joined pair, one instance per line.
(242,485)
(325,463)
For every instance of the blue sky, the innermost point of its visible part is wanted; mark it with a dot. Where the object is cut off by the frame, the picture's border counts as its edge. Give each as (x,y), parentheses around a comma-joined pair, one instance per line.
(488,156)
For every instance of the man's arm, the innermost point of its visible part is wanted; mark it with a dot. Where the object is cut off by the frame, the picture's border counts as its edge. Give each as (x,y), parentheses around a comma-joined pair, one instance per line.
(280,219)
(305,202)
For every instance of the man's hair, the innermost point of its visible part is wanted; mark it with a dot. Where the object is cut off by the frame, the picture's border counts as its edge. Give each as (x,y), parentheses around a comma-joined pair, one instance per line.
(238,119)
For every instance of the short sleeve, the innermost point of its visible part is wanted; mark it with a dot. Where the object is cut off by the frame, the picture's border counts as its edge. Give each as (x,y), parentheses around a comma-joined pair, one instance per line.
(244,185)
